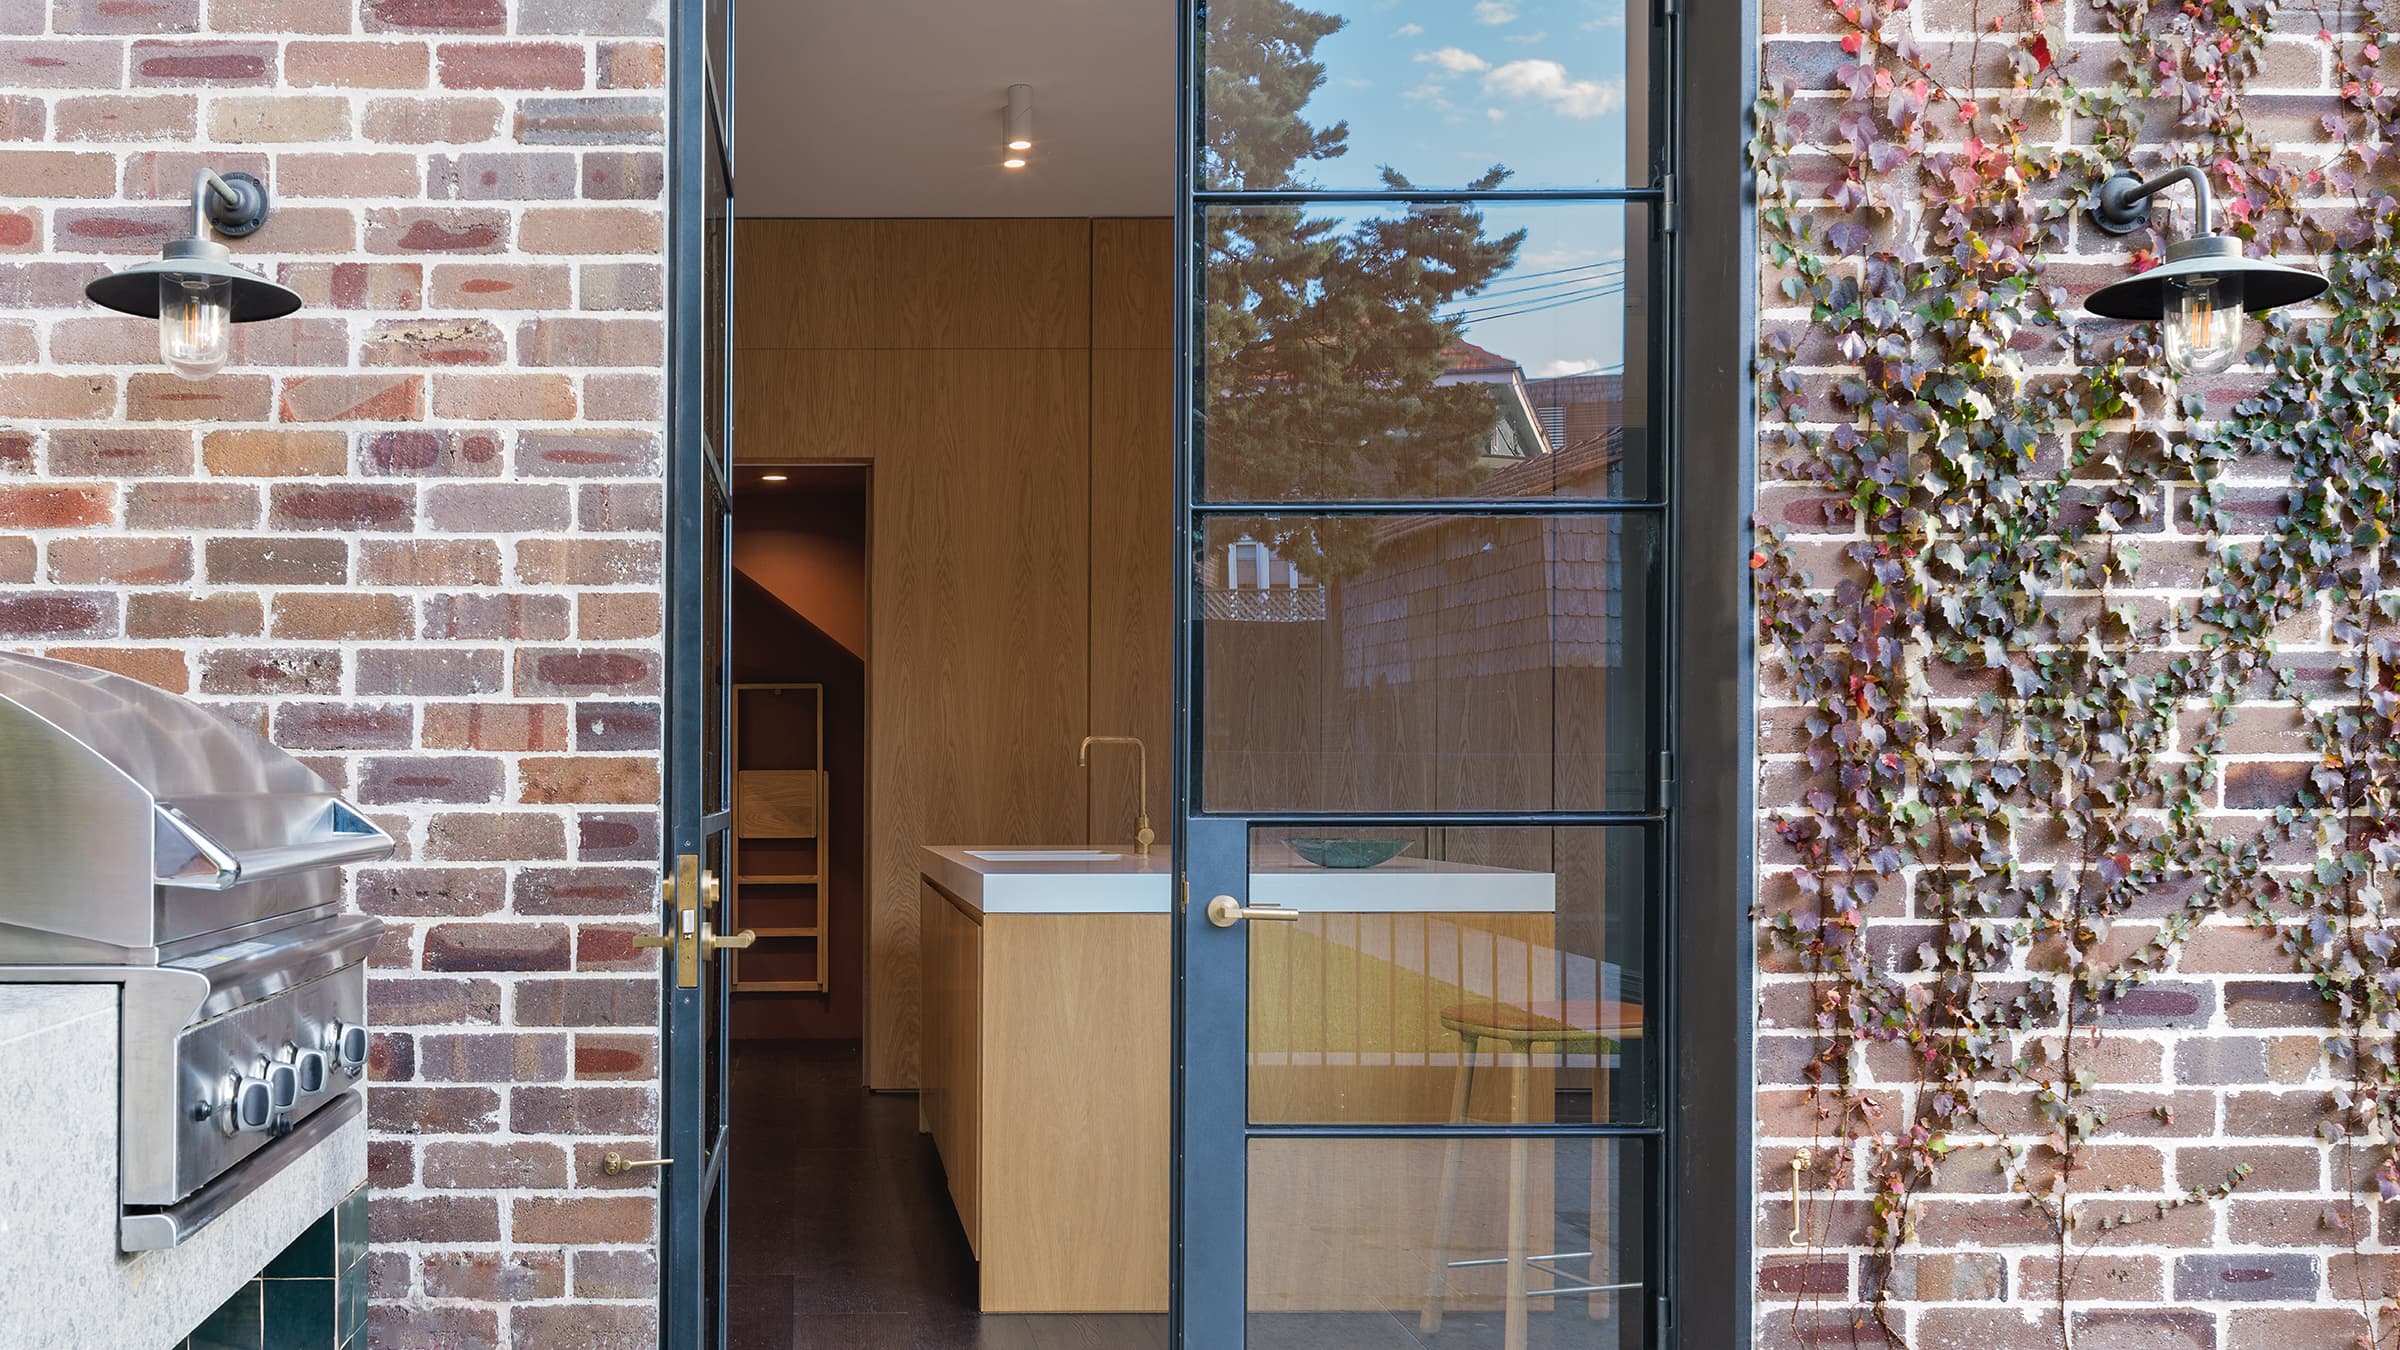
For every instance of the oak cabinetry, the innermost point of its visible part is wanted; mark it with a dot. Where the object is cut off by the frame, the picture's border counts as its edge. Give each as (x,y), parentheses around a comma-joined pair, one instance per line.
(1045,1088)
(950,1099)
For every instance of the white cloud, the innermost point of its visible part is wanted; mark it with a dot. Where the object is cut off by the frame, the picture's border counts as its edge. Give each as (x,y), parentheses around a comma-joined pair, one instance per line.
(1495,12)
(1551,370)
(1547,81)
(1456,60)
(1527,39)
(1496,114)
(1409,30)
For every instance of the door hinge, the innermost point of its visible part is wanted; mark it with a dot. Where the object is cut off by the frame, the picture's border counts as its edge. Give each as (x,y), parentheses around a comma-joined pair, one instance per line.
(1666,1313)
(1668,207)
(1666,780)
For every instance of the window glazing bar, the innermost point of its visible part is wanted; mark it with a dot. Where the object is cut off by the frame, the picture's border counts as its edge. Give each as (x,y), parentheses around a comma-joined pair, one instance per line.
(1443,1129)
(1439,820)
(1435,506)
(1421,196)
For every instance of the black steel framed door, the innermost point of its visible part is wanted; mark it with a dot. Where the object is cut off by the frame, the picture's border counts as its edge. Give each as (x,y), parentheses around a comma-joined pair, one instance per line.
(1428,636)
(695,979)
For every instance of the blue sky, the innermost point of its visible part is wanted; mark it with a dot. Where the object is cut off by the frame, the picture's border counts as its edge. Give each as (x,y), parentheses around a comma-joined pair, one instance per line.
(1442,90)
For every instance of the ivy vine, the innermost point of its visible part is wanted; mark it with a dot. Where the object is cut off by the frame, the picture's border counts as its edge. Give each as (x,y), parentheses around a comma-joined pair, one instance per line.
(2014,694)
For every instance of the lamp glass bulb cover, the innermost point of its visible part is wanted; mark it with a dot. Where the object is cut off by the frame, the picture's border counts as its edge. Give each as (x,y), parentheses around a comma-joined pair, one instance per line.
(195,323)
(2204,327)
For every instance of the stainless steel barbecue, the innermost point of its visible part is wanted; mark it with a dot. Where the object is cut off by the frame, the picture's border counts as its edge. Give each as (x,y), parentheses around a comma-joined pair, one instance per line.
(147,843)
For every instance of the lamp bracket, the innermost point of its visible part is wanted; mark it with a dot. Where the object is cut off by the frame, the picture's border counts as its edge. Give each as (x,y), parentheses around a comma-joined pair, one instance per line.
(2122,204)
(233,204)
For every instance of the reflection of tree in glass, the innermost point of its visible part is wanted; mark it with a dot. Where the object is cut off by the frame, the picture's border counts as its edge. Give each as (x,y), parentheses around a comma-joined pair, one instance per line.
(1326,341)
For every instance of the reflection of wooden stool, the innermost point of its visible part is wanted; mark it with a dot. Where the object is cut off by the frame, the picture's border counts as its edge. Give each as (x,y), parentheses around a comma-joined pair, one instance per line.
(1570,1027)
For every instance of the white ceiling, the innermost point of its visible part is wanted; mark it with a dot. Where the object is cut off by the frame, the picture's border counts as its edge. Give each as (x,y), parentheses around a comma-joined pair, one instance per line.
(893,107)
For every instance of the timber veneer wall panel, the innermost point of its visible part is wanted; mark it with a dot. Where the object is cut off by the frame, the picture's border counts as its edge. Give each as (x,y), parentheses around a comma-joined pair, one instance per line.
(956,357)
(977,641)
(1133,517)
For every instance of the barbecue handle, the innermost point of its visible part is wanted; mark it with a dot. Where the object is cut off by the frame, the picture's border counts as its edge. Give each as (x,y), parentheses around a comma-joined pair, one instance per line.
(367,844)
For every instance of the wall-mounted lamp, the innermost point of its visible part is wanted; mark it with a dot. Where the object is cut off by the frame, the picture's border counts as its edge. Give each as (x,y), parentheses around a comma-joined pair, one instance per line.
(2205,285)
(1019,135)
(193,289)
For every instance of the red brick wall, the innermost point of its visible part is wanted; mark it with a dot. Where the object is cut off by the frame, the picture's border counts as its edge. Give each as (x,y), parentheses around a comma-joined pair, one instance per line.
(413,533)
(2216,1063)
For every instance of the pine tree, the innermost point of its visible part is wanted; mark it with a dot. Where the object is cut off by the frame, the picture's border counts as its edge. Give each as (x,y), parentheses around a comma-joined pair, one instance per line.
(1323,338)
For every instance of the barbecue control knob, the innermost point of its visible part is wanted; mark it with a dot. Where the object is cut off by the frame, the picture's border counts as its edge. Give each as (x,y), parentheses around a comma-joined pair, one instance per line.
(348,1046)
(283,1080)
(248,1106)
(312,1066)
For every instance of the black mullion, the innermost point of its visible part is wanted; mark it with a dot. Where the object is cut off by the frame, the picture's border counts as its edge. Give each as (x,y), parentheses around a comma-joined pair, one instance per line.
(1451,820)
(1435,506)
(1425,196)
(1442,1129)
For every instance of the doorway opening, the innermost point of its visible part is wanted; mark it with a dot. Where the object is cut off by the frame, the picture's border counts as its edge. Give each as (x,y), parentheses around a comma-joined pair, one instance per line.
(1413,580)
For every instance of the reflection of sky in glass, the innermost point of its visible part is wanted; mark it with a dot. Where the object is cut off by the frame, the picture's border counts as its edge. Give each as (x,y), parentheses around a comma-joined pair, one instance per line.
(1561,309)
(1444,89)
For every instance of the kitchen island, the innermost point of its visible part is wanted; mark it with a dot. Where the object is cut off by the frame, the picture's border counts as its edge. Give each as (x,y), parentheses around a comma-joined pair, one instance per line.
(1044,1071)
(1047,1066)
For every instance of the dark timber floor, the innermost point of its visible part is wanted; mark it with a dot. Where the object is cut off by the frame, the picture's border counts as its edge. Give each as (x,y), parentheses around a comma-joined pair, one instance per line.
(844,1239)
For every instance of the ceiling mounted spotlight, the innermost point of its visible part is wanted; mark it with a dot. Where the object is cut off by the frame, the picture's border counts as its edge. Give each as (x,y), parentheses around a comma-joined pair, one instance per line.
(193,288)
(1019,135)
(2205,285)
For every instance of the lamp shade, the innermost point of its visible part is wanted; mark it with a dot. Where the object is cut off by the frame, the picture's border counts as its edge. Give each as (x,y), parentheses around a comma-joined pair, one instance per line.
(2265,285)
(135,289)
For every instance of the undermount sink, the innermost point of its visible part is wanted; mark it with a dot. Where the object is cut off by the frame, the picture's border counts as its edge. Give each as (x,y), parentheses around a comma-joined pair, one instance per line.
(1042,854)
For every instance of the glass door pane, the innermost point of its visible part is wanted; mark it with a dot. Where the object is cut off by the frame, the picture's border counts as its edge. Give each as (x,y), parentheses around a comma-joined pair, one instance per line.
(1361,351)
(1427,662)
(1549,93)
(1465,959)
(1486,1243)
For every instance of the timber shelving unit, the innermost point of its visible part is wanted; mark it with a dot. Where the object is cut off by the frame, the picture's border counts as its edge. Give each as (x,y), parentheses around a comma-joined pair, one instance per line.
(781,871)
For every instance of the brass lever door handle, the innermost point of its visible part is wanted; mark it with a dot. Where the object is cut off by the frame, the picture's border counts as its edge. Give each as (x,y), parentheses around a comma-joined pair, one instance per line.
(1225,912)
(735,941)
(655,940)
(616,1164)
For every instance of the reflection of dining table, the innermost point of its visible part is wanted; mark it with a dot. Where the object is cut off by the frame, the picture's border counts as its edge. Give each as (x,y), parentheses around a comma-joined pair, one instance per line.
(1595,1027)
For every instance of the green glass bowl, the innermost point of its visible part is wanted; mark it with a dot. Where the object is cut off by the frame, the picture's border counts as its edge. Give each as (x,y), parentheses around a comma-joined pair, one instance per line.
(1349,852)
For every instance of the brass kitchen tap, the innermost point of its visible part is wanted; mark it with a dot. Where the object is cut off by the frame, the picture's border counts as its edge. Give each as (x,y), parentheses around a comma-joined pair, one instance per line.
(1143,835)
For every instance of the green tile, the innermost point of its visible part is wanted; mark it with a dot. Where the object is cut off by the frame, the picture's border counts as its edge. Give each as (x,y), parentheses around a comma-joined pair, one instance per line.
(310,1257)
(353,1307)
(235,1325)
(300,1314)
(350,1230)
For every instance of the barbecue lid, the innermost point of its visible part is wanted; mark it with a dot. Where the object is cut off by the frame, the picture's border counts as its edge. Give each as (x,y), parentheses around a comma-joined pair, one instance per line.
(110,787)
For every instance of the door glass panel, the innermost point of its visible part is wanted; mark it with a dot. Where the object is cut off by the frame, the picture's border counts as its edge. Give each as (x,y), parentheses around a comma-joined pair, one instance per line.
(1363,352)
(1407,1242)
(1355,94)
(1426,663)
(715,997)
(716,332)
(1471,966)
(717,790)
(719,20)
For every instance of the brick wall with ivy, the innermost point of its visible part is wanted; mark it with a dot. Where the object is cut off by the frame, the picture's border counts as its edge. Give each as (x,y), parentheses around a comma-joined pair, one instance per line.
(411,533)
(2077,980)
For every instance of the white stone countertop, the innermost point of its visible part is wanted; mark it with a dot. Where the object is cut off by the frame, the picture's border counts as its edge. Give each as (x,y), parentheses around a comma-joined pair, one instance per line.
(992,881)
